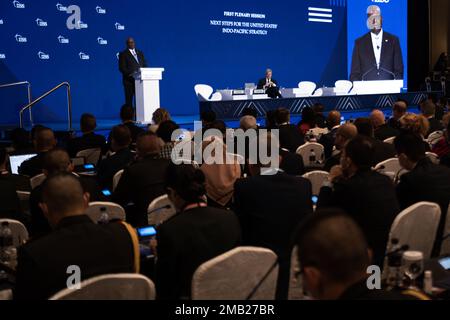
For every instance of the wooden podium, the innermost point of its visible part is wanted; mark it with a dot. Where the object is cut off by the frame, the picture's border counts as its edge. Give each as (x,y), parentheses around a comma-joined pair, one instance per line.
(147,93)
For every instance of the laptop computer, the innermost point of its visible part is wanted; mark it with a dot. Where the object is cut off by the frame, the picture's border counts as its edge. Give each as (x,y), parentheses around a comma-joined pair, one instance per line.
(16,161)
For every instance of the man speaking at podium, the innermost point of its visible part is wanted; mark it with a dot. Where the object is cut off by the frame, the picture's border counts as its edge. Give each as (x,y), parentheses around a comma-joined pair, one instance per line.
(130,61)
(377,55)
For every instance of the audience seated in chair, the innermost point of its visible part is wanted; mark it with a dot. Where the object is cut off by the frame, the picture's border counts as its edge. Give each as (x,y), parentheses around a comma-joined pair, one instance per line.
(143,180)
(290,136)
(21,143)
(319,109)
(344,134)
(334,257)
(399,109)
(367,196)
(382,130)
(197,234)
(425,181)
(44,141)
(127,115)
(382,151)
(9,184)
(89,139)
(327,140)
(159,116)
(165,132)
(43,264)
(442,147)
(308,121)
(119,159)
(269,205)
(428,109)
(57,161)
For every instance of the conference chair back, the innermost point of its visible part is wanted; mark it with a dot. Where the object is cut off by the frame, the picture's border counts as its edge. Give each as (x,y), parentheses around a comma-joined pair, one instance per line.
(24,199)
(244,273)
(343,87)
(390,167)
(111,287)
(116,179)
(306,152)
(307,88)
(160,210)
(90,155)
(317,178)
(114,211)
(36,181)
(445,246)
(18,230)
(416,227)
(390,140)
(433,157)
(434,137)
(203,91)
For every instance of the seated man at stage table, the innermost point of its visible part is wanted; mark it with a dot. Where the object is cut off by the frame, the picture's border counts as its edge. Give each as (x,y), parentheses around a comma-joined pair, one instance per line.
(130,61)
(270,85)
(377,55)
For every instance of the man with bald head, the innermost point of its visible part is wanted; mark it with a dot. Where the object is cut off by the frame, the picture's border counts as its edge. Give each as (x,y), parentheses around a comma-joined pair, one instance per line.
(377,55)
(344,134)
(57,161)
(327,140)
(130,61)
(43,142)
(143,181)
(382,130)
(43,264)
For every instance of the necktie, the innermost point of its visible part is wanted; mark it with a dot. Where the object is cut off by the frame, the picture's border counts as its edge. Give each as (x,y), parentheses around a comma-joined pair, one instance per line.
(135,55)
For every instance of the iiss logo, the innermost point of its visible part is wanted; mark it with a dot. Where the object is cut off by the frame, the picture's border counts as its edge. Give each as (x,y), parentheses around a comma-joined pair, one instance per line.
(84,56)
(100,10)
(20,38)
(2,56)
(1,21)
(119,26)
(41,23)
(82,25)
(18,5)
(61,7)
(43,56)
(381,1)
(102,41)
(63,40)
(117,55)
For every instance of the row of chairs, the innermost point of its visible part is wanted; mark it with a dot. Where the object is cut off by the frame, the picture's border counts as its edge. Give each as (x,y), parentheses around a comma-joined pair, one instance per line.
(250,273)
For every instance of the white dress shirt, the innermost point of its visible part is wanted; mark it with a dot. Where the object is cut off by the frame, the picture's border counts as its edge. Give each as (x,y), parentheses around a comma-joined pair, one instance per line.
(377,43)
(133,52)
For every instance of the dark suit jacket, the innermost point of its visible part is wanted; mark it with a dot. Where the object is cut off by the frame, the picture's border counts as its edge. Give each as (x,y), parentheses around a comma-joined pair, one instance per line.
(364,66)
(21,183)
(142,182)
(385,131)
(269,209)
(87,141)
(32,167)
(188,240)
(96,249)
(39,225)
(108,167)
(382,151)
(369,198)
(262,83)
(128,64)
(134,130)
(426,182)
(290,137)
(327,140)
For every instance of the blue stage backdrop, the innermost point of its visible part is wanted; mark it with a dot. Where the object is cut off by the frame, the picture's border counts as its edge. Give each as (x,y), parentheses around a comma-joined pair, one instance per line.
(221,43)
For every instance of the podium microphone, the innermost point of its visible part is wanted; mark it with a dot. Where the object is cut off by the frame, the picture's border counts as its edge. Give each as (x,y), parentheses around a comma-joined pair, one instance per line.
(428,83)
(443,84)
(387,71)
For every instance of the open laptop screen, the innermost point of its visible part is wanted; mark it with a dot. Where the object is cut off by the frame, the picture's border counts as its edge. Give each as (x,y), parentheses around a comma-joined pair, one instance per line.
(16,161)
